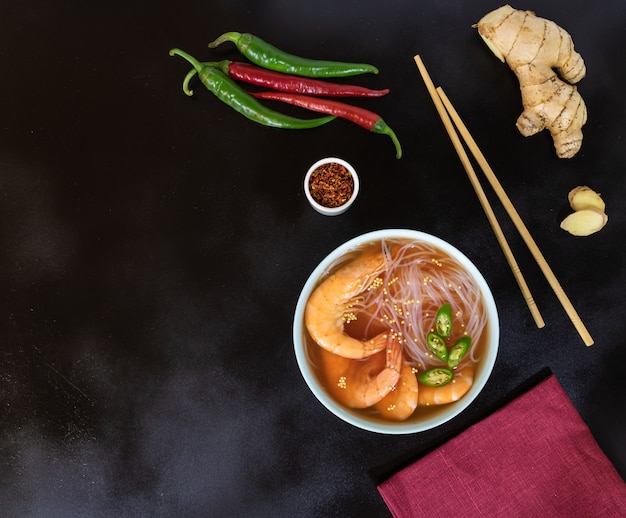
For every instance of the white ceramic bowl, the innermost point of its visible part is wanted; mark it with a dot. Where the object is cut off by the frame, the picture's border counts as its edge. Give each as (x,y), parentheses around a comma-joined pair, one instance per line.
(360,419)
(331,211)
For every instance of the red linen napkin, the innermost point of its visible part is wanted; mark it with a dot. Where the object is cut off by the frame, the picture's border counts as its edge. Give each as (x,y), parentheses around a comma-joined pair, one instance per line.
(533,457)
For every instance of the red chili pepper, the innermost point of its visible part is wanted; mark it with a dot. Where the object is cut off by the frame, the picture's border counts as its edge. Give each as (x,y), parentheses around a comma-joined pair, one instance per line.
(289,83)
(364,118)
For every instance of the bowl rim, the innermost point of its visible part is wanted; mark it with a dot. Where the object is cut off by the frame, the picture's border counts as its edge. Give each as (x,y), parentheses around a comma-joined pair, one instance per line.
(396,428)
(331,211)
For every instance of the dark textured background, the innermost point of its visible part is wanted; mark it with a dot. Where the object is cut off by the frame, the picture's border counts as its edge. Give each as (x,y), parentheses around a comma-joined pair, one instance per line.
(152,248)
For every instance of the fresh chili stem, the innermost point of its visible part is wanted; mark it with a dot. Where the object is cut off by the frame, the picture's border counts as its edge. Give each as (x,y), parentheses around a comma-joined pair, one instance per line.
(193,72)
(364,118)
(229,92)
(254,75)
(268,56)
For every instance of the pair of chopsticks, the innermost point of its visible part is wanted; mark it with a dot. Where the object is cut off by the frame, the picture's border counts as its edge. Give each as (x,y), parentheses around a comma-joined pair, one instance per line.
(446,112)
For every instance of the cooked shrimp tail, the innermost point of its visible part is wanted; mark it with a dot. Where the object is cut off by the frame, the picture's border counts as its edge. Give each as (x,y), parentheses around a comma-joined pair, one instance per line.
(401,402)
(363,383)
(453,391)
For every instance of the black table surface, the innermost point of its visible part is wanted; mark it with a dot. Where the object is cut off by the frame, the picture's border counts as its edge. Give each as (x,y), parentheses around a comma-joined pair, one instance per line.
(153,247)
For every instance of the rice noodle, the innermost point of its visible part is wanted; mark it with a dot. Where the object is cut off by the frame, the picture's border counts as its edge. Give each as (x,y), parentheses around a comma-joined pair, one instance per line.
(417,280)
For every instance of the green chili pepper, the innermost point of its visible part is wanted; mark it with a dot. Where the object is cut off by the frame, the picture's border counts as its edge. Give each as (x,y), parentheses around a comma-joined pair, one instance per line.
(229,92)
(443,321)
(437,377)
(458,350)
(267,56)
(437,346)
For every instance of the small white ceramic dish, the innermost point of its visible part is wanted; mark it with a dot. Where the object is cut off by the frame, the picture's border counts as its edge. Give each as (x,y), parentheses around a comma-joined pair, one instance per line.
(377,424)
(331,211)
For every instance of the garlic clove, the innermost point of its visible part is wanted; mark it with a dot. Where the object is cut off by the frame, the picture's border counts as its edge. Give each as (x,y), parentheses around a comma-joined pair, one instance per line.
(584,222)
(584,197)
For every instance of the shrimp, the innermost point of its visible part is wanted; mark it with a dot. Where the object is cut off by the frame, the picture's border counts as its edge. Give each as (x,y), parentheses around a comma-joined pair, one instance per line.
(327,308)
(401,402)
(453,391)
(362,383)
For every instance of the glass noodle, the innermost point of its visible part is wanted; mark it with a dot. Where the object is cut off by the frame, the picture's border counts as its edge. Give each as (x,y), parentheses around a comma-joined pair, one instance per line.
(404,296)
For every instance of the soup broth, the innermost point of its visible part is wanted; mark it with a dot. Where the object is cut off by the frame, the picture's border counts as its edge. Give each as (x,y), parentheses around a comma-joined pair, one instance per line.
(402,298)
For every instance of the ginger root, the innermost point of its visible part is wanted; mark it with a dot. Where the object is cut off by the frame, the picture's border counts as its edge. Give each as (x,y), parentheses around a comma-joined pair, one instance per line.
(534,48)
(588,216)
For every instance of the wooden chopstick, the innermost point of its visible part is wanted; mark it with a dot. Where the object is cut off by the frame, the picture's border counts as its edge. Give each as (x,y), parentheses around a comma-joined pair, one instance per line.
(517,221)
(517,273)
(439,98)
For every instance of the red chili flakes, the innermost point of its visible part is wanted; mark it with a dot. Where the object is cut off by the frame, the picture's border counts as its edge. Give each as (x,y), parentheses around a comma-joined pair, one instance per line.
(331,185)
